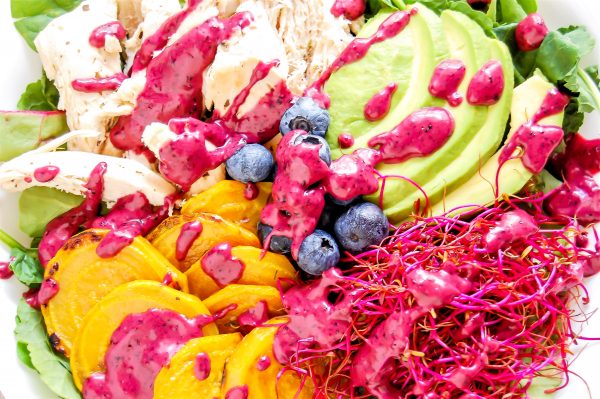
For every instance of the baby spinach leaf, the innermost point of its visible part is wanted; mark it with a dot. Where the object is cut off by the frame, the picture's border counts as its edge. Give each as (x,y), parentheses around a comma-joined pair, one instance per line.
(27,269)
(39,205)
(41,95)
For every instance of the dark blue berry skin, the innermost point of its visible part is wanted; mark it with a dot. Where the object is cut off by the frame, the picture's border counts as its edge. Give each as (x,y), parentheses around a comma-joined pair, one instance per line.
(360,227)
(305,115)
(253,163)
(278,244)
(324,150)
(318,253)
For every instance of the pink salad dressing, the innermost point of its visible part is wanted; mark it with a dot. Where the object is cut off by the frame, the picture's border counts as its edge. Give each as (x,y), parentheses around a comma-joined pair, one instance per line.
(220,265)
(379,105)
(98,85)
(255,316)
(114,28)
(353,174)
(48,290)
(240,392)
(59,230)
(357,50)
(45,174)
(531,32)
(264,362)
(513,226)
(251,191)
(420,134)
(487,85)
(31,298)
(345,140)
(174,80)
(202,366)
(446,80)
(189,233)
(350,9)
(142,345)
(5,271)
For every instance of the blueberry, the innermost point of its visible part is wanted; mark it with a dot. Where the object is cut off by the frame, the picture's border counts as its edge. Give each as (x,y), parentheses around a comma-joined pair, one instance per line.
(278,244)
(324,150)
(305,115)
(360,227)
(318,253)
(252,163)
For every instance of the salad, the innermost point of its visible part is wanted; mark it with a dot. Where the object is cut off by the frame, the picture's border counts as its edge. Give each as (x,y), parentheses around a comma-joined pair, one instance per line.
(246,199)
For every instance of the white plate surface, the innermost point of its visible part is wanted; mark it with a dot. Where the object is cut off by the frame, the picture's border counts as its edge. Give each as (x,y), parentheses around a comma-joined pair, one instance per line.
(19,66)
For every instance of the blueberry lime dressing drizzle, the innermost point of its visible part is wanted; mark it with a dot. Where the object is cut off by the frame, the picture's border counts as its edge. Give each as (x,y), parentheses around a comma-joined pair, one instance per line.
(31,298)
(357,50)
(537,141)
(99,34)
(353,175)
(220,265)
(345,140)
(379,105)
(45,174)
(350,9)
(189,233)
(446,80)
(255,316)
(240,392)
(487,85)
(48,290)
(174,77)
(421,133)
(531,32)
(251,191)
(142,345)
(98,85)
(579,195)
(5,271)
(264,362)
(202,366)
(512,226)
(59,230)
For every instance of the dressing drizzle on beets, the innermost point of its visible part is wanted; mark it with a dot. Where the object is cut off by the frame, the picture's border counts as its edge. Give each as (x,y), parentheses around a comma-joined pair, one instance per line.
(114,28)
(379,105)
(189,233)
(446,80)
(220,265)
(240,392)
(255,316)
(202,367)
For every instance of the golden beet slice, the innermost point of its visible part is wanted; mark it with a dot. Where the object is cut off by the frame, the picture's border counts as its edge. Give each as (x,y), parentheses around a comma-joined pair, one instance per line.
(84,279)
(196,371)
(227,199)
(254,367)
(214,230)
(106,316)
(254,304)
(257,270)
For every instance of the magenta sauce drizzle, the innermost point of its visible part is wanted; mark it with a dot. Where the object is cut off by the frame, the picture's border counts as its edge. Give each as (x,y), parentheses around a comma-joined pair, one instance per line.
(420,134)
(487,85)
(357,49)
(5,272)
(59,230)
(579,196)
(114,28)
(31,298)
(98,85)
(345,140)
(531,32)
(186,158)
(189,233)
(132,216)
(255,316)
(379,105)
(512,226)
(264,362)
(168,279)
(220,265)
(48,290)
(251,191)
(202,366)
(446,80)
(350,9)
(174,80)
(240,392)
(538,141)
(45,174)
(353,174)
(139,348)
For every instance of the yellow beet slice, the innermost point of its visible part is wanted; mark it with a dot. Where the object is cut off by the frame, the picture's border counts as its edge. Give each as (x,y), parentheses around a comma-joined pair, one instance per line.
(215,230)
(84,279)
(226,199)
(107,315)
(266,271)
(245,297)
(178,380)
(243,369)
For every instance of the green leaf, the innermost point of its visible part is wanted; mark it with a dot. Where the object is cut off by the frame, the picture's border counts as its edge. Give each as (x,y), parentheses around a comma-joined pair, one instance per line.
(33,346)
(27,268)
(38,206)
(39,96)
(510,11)
(481,18)
(32,16)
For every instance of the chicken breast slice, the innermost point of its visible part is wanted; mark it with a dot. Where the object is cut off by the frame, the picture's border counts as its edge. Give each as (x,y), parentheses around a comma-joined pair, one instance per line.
(66,55)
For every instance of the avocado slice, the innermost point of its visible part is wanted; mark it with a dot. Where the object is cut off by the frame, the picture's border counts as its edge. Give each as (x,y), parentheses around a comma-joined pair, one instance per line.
(512,177)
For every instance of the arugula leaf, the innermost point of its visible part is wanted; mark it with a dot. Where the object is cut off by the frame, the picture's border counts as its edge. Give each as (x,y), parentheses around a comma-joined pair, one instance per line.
(32,16)
(38,206)
(26,268)
(41,95)
(33,347)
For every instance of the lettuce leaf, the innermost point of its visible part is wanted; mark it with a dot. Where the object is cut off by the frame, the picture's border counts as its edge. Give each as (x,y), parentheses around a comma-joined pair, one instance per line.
(39,205)
(33,348)
(27,268)
(32,16)
(41,95)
